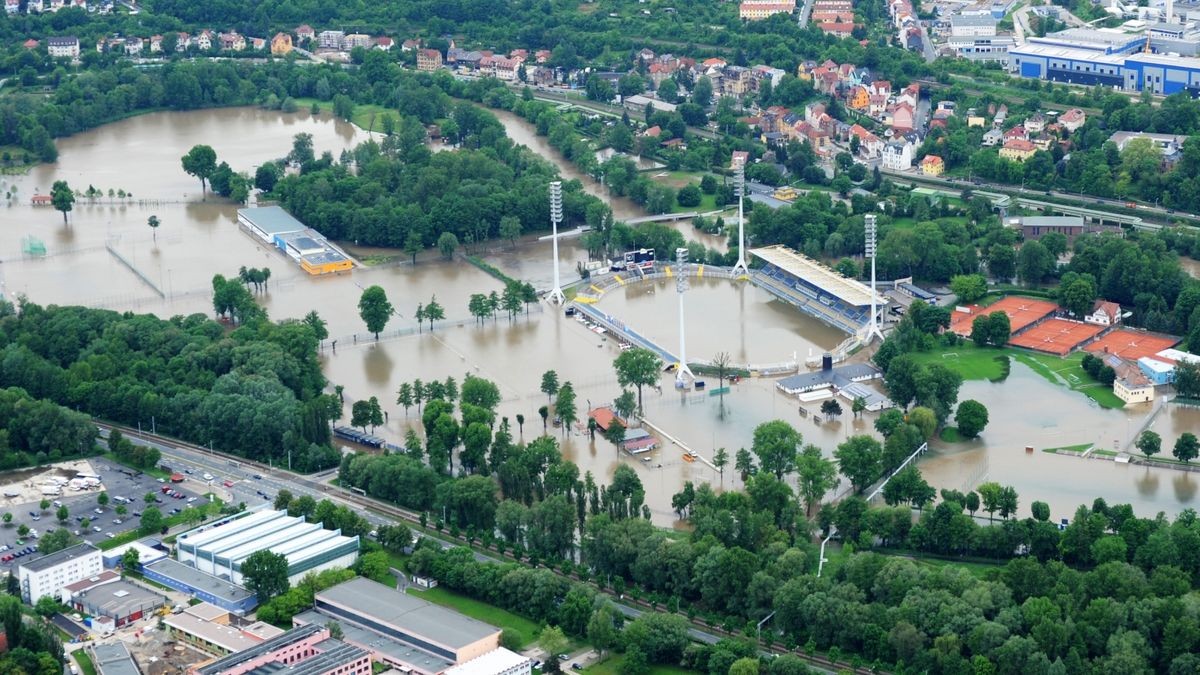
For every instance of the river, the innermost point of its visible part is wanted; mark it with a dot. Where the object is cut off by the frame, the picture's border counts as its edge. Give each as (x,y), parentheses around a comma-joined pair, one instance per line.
(198,239)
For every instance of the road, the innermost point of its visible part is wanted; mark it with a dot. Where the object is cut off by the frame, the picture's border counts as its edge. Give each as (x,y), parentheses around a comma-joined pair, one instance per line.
(1070,198)
(260,484)
(805,12)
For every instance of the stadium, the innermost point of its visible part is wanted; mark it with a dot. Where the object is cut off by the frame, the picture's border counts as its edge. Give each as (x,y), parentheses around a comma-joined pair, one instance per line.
(815,289)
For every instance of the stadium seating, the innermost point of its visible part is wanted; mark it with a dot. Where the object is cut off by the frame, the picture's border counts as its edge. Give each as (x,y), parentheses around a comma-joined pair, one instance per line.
(811,299)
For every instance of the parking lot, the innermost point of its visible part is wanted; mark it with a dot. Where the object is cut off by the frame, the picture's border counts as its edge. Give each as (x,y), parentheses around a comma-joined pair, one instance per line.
(115,480)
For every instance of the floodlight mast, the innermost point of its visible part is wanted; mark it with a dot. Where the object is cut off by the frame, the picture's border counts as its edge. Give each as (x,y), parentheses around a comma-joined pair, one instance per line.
(556,294)
(739,187)
(870,232)
(682,372)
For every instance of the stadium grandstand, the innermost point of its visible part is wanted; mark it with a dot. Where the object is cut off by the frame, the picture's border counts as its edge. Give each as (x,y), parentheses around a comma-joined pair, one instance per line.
(814,288)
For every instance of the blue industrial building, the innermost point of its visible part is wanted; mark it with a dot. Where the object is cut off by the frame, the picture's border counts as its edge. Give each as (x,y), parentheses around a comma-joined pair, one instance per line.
(1156,73)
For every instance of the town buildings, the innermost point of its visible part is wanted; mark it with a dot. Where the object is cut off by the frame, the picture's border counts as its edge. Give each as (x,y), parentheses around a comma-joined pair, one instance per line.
(281,44)
(217,631)
(48,574)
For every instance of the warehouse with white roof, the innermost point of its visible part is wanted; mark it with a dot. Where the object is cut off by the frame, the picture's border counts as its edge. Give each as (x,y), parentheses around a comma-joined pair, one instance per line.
(220,547)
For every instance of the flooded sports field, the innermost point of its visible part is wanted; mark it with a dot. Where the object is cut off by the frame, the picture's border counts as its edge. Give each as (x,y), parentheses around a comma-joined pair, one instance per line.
(108,257)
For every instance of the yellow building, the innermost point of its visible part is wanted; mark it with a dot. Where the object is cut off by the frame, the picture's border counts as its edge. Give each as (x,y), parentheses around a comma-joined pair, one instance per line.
(786,193)
(858,99)
(1017,150)
(325,263)
(933,165)
(756,10)
(281,44)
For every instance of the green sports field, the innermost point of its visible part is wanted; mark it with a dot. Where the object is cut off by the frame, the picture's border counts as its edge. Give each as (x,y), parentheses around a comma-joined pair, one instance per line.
(986,363)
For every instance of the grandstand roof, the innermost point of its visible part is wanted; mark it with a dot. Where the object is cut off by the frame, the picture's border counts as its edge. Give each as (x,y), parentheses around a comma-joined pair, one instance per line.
(796,264)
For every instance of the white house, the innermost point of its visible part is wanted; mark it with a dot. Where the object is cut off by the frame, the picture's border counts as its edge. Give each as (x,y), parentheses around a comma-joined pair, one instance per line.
(1104,313)
(48,574)
(63,47)
(897,155)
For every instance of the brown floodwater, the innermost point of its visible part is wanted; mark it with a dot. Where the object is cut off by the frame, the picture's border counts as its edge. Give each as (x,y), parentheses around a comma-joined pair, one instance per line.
(198,239)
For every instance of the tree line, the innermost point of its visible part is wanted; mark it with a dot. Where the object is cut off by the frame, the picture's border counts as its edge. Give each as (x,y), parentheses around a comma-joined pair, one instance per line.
(256,391)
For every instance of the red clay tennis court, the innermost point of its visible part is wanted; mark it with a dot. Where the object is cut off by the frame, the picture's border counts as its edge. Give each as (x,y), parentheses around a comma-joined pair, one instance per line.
(1132,344)
(1021,312)
(1056,336)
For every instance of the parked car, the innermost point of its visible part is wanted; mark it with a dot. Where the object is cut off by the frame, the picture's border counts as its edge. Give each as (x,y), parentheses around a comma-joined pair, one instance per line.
(95,528)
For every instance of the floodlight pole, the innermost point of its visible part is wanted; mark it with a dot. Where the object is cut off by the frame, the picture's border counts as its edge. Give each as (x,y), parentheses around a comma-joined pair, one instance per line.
(870,231)
(682,372)
(739,186)
(556,294)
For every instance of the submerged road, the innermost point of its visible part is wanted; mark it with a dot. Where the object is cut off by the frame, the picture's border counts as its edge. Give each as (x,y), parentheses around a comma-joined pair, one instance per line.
(255,483)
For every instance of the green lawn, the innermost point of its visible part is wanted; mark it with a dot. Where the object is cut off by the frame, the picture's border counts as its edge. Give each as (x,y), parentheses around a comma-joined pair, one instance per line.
(612,666)
(707,203)
(85,662)
(526,630)
(975,363)
(977,569)
(365,116)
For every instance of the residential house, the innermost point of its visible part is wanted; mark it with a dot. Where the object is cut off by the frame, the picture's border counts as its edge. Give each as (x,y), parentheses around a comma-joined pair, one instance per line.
(410,45)
(870,146)
(63,47)
(910,95)
(756,10)
(932,165)
(12,6)
(330,39)
(857,98)
(305,33)
(974,119)
(1017,150)
(1001,116)
(182,41)
(356,40)
(30,44)
(1035,123)
(383,43)
(156,44)
(429,59)
(281,44)
(204,40)
(940,118)
(133,46)
(992,137)
(646,54)
(897,155)
(232,41)
(1104,313)
(542,56)
(899,117)
(258,44)
(507,69)
(736,81)
(1072,119)
(1016,133)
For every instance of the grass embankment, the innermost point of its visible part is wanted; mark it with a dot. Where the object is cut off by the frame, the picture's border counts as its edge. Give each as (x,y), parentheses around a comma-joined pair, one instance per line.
(525,630)
(152,471)
(613,665)
(85,662)
(976,363)
(1070,449)
(952,435)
